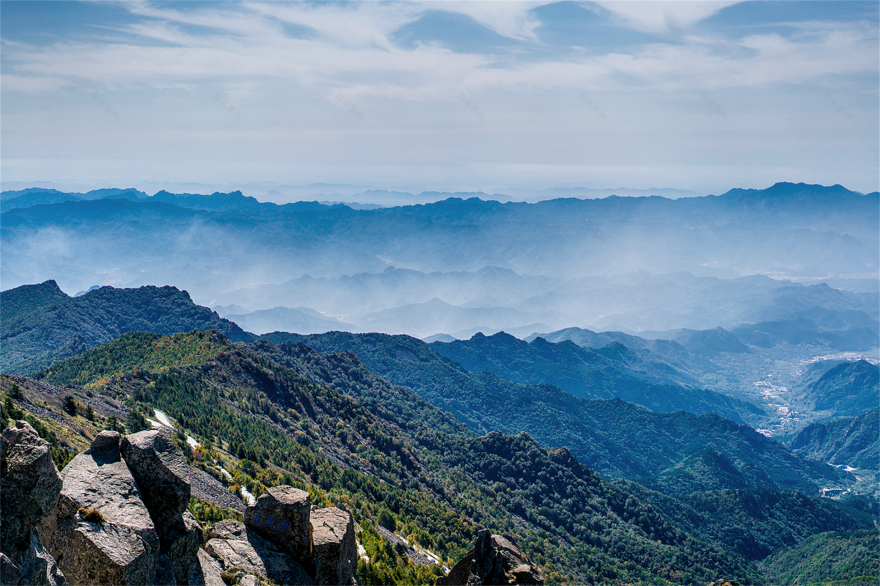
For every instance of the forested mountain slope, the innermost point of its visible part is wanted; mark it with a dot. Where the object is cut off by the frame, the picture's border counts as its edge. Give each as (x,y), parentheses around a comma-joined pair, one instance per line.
(846,441)
(610,371)
(41,324)
(611,436)
(438,481)
(849,388)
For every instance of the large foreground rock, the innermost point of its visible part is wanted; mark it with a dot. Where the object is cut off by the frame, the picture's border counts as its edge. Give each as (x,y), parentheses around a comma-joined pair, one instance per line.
(180,542)
(160,470)
(120,549)
(29,485)
(106,554)
(334,551)
(494,560)
(237,546)
(281,515)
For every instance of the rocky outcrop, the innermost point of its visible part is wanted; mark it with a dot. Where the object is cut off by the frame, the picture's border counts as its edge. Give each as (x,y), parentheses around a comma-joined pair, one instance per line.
(495,559)
(117,515)
(334,551)
(30,485)
(237,547)
(180,542)
(281,515)
(103,553)
(161,473)
(206,571)
(118,543)
(29,491)
(34,566)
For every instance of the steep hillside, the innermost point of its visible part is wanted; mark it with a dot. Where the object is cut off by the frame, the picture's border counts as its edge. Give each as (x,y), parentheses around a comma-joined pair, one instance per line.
(753,522)
(395,459)
(847,441)
(846,389)
(42,325)
(827,558)
(611,436)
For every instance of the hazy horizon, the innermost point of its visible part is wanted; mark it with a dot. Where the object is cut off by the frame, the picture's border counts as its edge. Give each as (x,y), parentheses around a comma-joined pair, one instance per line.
(445,96)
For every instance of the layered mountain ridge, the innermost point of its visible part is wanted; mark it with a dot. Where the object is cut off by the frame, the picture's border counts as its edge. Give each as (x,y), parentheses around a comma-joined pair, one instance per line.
(734,236)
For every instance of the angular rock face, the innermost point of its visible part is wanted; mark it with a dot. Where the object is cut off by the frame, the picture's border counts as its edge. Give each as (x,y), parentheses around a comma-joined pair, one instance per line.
(33,567)
(29,490)
(29,485)
(237,546)
(206,571)
(106,554)
(281,515)
(121,549)
(494,560)
(334,551)
(161,473)
(180,543)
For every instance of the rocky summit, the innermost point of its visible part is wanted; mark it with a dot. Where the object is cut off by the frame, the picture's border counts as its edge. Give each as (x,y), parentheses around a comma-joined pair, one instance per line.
(493,560)
(117,515)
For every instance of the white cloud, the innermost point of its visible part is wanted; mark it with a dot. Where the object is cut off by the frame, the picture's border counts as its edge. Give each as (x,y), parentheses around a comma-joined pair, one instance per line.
(351,50)
(31,84)
(663,17)
(513,20)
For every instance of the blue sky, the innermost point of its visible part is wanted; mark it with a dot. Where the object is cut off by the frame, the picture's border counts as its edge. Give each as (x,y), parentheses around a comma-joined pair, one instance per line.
(703,96)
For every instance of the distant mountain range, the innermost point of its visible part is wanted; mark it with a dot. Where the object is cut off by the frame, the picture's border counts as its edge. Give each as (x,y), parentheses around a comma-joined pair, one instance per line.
(492,300)
(223,245)
(605,372)
(298,319)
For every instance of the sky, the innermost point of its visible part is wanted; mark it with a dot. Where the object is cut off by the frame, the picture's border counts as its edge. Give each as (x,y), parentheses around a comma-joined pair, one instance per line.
(447,96)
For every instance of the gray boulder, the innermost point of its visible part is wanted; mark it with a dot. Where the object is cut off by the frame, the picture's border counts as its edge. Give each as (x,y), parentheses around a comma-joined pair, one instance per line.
(29,490)
(237,546)
(334,551)
(118,543)
(281,515)
(495,559)
(206,571)
(33,567)
(180,543)
(29,486)
(39,567)
(160,470)
(106,554)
